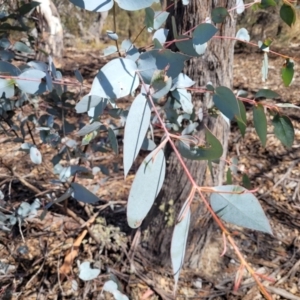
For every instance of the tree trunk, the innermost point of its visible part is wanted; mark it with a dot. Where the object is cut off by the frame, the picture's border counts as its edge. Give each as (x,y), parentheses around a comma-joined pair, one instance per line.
(52,30)
(215,66)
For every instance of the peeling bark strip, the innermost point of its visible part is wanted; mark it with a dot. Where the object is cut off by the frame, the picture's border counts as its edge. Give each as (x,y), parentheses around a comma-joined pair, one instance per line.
(215,66)
(53,31)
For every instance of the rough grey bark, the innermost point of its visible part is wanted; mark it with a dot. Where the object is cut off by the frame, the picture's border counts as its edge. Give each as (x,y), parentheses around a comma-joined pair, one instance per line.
(214,66)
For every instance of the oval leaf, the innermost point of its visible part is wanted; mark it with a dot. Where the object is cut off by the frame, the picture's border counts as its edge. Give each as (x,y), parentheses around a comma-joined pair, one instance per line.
(203,33)
(260,123)
(287,72)
(243,35)
(236,205)
(178,244)
(242,120)
(35,156)
(226,102)
(284,130)
(265,93)
(240,6)
(32,82)
(136,127)
(288,14)
(145,187)
(116,79)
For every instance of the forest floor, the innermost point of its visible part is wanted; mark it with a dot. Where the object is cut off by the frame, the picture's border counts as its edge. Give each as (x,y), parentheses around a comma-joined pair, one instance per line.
(33,254)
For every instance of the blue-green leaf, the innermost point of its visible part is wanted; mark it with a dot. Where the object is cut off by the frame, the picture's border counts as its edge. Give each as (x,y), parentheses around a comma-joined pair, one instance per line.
(136,127)
(145,187)
(80,193)
(178,244)
(226,102)
(153,60)
(211,151)
(203,33)
(236,205)
(94,5)
(116,79)
(32,82)
(266,93)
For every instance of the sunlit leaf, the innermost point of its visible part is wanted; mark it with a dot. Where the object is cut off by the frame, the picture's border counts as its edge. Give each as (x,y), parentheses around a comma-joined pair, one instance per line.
(7,88)
(87,102)
(287,105)
(86,272)
(35,155)
(145,187)
(112,35)
(32,81)
(182,81)
(236,205)
(161,35)
(240,6)
(134,5)
(113,85)
(178,244)
(94,5)
(243,35)
(137,124)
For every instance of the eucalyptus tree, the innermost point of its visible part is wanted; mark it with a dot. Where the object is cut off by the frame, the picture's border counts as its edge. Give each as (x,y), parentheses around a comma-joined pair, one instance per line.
(214,67)
(181,85)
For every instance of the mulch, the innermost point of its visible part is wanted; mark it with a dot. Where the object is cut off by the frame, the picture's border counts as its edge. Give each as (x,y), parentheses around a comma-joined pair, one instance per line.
(33,252)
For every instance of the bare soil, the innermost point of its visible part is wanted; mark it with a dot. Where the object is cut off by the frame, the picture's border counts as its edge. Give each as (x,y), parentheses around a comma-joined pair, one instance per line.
(31,255)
